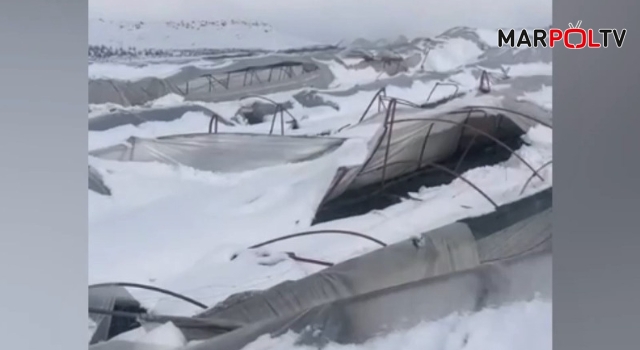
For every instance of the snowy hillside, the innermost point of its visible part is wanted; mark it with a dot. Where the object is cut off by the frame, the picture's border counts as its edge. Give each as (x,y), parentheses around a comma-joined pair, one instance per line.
(189,35)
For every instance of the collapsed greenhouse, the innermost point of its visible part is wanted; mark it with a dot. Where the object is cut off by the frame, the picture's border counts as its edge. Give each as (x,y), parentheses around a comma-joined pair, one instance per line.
(489,258)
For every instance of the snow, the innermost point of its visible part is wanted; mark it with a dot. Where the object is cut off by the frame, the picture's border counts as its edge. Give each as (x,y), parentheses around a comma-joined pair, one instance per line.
(215,277)
(176,216)
(167,101)
(166,336)
(529,69)
(122,71)
(543,97)
(347,77)
(454,53)
(489,37)
(96,110)
(182,35)
(190,122)
(178,228)
(313,120)
(522,326)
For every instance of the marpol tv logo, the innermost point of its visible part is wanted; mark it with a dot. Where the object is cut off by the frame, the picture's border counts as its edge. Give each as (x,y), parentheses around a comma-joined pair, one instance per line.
(573,37)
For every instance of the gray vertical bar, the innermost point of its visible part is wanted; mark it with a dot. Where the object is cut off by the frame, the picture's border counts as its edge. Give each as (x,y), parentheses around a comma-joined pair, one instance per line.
(596,192)
(43,180)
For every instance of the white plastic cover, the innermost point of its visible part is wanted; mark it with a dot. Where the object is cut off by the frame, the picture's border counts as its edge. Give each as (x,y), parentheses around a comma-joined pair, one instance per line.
(232,152)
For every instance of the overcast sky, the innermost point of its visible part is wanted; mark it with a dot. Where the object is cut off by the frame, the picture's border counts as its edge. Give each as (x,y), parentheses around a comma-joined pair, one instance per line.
(332,20)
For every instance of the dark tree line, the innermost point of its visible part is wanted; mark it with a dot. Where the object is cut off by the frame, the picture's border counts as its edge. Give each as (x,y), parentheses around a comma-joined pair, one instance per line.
(102,51)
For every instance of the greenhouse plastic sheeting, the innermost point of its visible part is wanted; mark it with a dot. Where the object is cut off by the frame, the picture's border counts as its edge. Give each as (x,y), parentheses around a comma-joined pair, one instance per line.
(441,251)
(191,83)
(221,152)
(433,135)
(137,117)
(360,318)
(513,229)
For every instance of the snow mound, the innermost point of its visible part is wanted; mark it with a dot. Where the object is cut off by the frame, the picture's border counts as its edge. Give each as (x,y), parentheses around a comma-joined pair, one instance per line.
(452,54)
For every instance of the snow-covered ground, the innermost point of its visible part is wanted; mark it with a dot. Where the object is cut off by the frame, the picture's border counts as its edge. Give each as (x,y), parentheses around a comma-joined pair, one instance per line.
(188,223)
(452,54)
(184,35)
(542,97)
(313,120)
(176,227)
(109,70)
(522,326)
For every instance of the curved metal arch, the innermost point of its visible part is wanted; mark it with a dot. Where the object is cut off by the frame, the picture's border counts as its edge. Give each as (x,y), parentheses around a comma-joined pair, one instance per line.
(213,127)
(297,258)
(279,109)
(477,130)
(342,128)
(318,232)
(293,256)
(402,102)
(389,115)
(381,92)
(531,177)
(151,288)
(438,83)
(526,116)
(277,104)
(448,171)
(273,120)
(392,117)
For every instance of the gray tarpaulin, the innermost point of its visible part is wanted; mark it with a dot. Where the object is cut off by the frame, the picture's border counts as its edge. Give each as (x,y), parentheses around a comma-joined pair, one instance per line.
(437,273)
(531,234)
(521,226)
(251,75)
(517,228)
(360,318)
(442,251)
(129,93)
(221,152)
(406,146)
(140,116)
